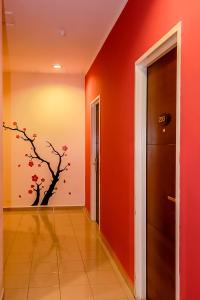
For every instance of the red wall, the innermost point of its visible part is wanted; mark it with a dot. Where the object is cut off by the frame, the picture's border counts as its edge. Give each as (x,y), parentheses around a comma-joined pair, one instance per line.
(141,24)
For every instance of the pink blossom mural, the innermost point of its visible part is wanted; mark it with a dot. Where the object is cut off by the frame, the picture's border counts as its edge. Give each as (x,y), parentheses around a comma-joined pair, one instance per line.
(35,159)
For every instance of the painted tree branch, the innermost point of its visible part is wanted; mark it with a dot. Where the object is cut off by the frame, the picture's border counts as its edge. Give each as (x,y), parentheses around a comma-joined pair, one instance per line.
(54,150)
(31,141)
(55,174)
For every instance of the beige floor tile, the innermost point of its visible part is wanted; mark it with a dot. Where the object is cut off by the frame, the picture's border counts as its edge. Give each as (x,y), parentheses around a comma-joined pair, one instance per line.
(23,252)
(83,240)
(24,239)
(82,292)
(8,238)
(64,257)
(17,268)
(44,259)
(45,255)
(20,257)
(44,294)
(66,225)
(16,281)
(44,280)
(15,294)
(92,245)
(44,267)
(63,216)
(45,237)
(95,264)
(46,244)
(68,266)
(66,240)
(99,277)
(69,255)
(64,248)
(94,255)
(26,248)
(73,279)
(68,244)
(66,234)
(109,292)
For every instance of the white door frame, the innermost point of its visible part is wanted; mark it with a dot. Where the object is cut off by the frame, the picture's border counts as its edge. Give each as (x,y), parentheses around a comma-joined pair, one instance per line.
(92,158)
(164,45)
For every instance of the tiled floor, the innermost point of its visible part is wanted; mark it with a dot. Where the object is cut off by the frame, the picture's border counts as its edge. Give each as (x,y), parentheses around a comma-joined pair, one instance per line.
(51,255)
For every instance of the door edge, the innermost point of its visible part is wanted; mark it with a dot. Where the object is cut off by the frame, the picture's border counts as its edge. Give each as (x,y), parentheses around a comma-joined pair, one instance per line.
(92,157)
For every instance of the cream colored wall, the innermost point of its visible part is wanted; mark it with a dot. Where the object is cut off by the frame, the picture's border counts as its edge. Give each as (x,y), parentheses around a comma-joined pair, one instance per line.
(52,106)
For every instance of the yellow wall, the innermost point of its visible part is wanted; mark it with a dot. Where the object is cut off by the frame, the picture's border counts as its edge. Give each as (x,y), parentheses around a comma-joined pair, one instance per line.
(52,106)
(6,141)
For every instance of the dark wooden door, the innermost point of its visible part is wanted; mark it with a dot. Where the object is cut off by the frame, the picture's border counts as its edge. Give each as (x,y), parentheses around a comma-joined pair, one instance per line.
(97,163)
(161,169)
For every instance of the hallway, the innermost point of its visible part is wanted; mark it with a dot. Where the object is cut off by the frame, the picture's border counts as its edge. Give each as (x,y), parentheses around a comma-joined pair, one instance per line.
(57,254)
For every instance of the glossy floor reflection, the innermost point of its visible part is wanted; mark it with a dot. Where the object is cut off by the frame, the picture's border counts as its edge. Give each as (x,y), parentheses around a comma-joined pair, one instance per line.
(51,255)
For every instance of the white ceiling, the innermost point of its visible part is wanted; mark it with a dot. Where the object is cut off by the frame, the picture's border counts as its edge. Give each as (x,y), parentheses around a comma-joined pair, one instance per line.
(34,43)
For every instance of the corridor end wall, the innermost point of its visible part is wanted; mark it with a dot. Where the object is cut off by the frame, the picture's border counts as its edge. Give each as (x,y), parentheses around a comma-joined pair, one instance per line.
(51,106)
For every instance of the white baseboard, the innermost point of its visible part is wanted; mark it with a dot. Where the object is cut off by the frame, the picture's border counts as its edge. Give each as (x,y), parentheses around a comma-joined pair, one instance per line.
(117,266)
(43,207)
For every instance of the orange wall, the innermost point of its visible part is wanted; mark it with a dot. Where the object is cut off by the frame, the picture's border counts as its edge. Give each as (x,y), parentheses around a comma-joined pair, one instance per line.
(52,106)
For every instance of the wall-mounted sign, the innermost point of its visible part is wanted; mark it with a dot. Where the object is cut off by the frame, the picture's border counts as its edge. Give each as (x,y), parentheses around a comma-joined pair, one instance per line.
(164,119)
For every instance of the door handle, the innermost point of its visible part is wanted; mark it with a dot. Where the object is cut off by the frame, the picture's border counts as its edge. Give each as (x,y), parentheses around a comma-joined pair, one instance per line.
(171,198)
(95,163)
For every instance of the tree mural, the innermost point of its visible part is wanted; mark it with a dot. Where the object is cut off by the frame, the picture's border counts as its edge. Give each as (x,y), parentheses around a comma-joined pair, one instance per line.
(37,184)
